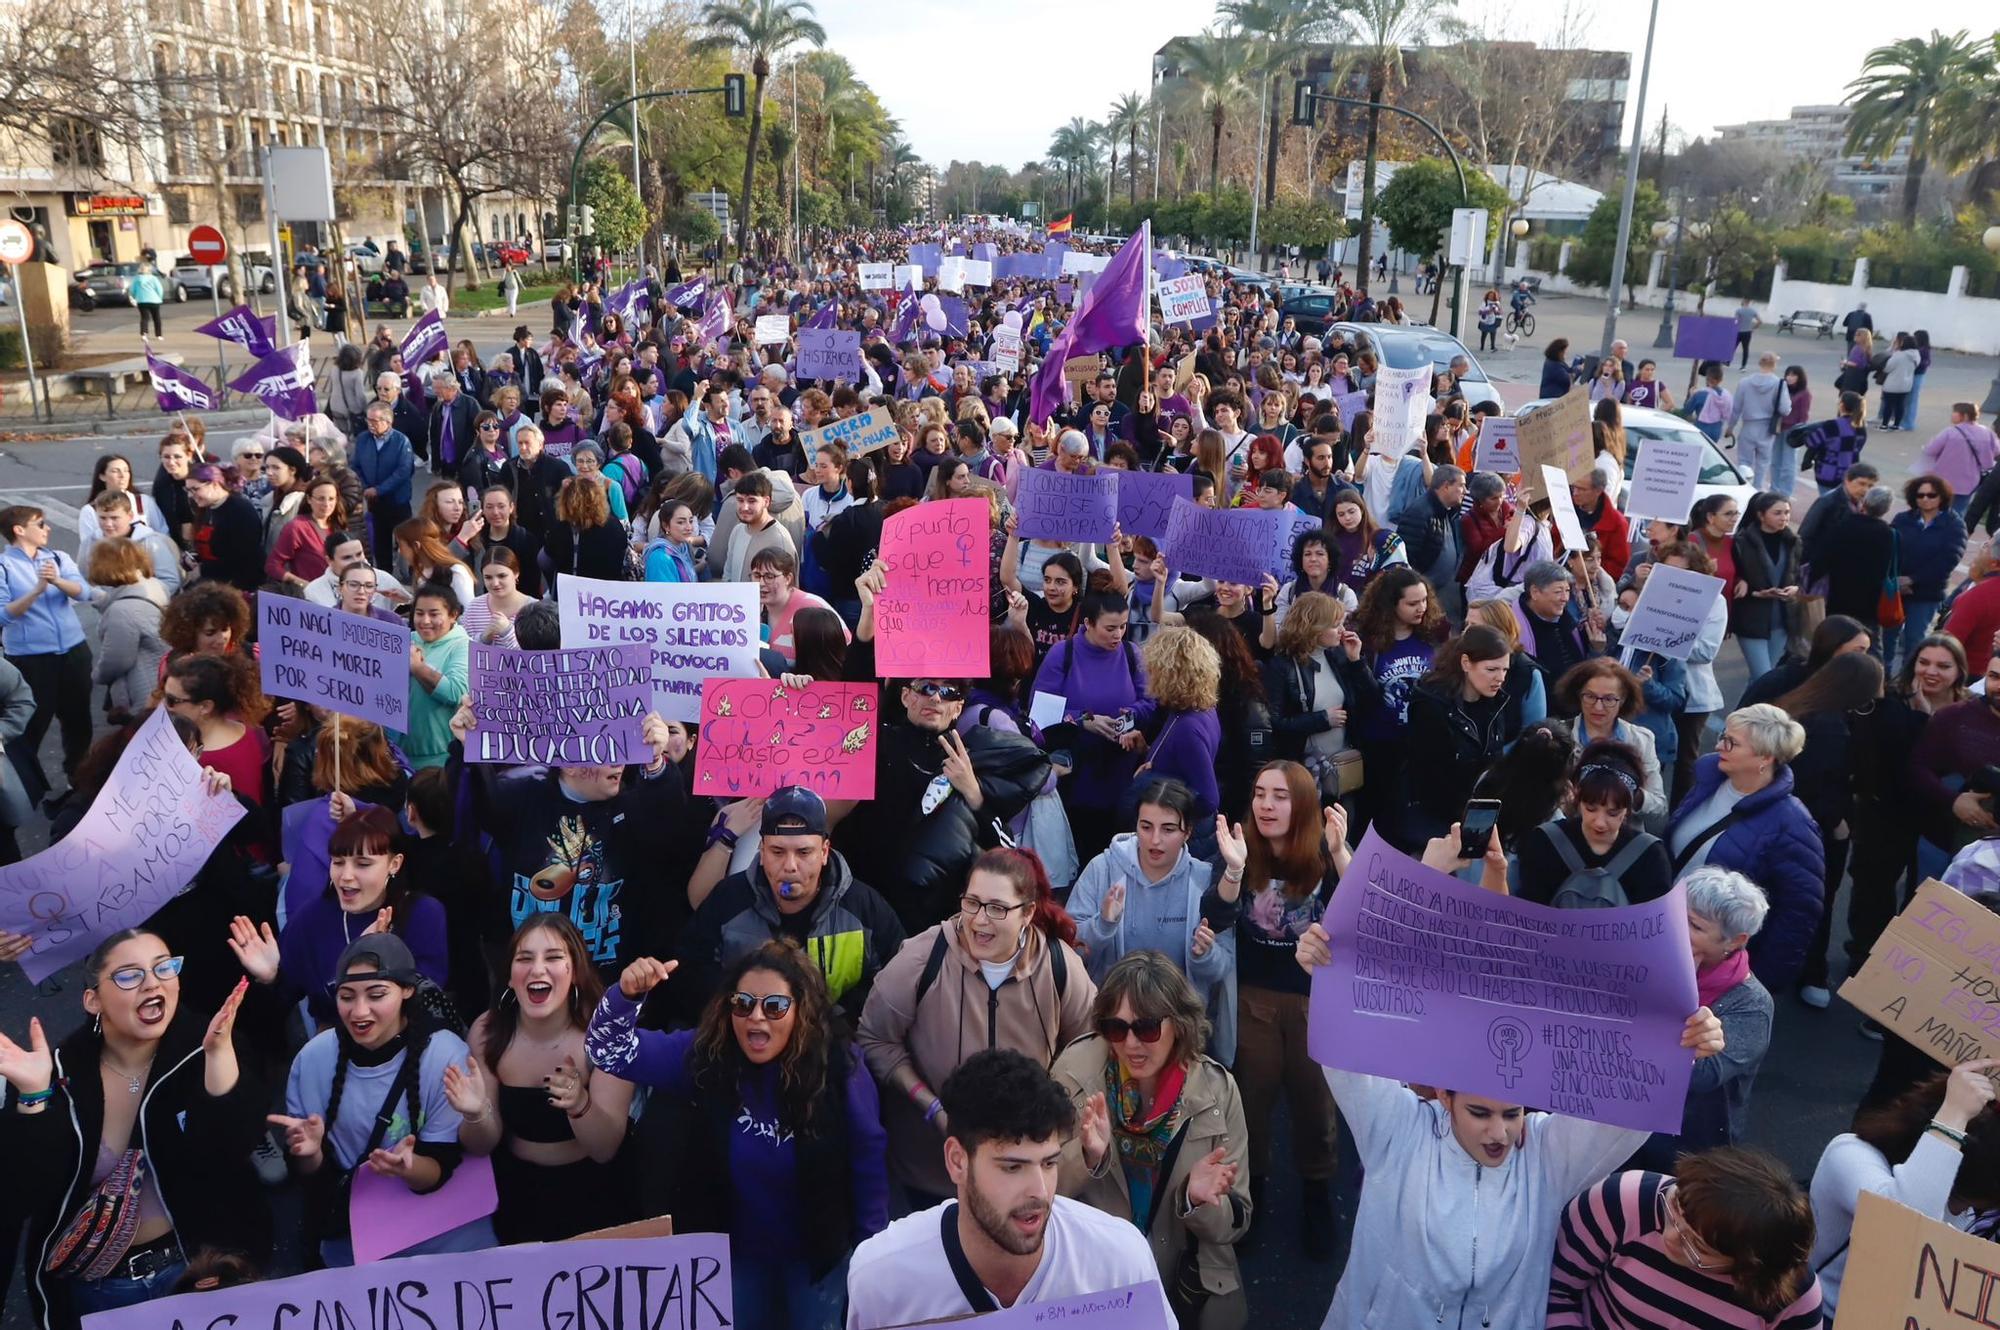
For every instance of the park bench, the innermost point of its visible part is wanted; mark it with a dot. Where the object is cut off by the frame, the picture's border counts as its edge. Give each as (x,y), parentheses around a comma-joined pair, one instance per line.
(1820,320)
(116,377)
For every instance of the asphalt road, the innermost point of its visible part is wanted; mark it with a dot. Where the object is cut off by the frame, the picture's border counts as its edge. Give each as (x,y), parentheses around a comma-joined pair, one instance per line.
(1816,1069)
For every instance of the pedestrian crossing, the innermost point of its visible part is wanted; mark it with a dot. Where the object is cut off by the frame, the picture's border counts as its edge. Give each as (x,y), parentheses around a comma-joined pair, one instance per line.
(62,516)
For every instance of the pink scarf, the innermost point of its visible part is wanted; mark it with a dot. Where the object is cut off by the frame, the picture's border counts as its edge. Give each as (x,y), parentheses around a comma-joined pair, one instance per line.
(1712,982)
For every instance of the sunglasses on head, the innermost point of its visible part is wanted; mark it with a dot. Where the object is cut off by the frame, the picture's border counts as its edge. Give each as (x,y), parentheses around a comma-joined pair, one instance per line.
(129,977)
(744,1005)
(1147,1028)
(943,692)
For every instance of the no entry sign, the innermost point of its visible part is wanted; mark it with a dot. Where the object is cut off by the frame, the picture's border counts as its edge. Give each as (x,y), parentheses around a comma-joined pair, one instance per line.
(206,245)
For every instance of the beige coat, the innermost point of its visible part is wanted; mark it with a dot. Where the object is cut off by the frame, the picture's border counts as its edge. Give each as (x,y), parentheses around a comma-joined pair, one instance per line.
(959,1016)
(1212,1116)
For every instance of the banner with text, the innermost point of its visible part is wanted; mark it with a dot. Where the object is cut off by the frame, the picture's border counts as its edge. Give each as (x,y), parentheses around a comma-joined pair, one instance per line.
(1907,1271)
(829,353)
(359,667)
(859,434)
(571,708)
(1146,501)
(1933,977)
(1664,476)
(695,630)
(1228,544)
(933,619)
(1055,505)
(1673,606)
(757,734)
(1556,435)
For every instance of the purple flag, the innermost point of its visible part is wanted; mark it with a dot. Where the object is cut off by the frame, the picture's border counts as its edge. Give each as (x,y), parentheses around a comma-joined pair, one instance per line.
(905,325)
(627,301)
(823,317)
(425,340)
(284,379)
(715,319)
(242,326)
(176,389)
(1113,314)
(688,295)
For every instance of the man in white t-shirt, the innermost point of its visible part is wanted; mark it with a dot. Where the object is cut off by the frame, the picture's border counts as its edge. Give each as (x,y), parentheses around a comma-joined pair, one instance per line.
(1008,1238)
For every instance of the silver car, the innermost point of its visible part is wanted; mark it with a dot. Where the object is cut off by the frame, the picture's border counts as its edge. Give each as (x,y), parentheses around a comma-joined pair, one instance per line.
(1408,347)
(108,283)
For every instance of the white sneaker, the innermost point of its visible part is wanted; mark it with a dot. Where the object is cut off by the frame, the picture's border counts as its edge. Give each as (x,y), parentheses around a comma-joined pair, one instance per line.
(269,1161)
(1814,996)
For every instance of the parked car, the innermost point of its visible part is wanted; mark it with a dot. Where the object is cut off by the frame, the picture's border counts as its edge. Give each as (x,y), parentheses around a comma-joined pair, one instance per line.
(108,283)
(1407,347)
(502,251)
(191,278)
(555,251)
(1718,474)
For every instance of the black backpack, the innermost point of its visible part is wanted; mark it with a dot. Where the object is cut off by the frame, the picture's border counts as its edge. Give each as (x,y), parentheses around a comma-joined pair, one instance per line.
(934,964)
(1594,888)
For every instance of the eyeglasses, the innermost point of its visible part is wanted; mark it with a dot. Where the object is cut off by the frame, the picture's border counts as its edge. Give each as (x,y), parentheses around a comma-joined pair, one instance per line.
(174,699)
(1602,699)
(358,586)
(943,692)
(489,428)
(1115,1030)
(129,977)
(1691,1243)
(972,907)
(1929,494)
(253,455)
(1728,743)
(744,1005)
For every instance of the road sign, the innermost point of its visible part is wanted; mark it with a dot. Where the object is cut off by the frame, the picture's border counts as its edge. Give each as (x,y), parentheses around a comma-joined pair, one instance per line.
(1468,236)
(206,245)
(17,242)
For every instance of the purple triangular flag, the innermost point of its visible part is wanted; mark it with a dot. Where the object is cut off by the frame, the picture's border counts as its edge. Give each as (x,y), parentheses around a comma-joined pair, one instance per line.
(242,326)
(425,340)
(823,317)
(715,319)
(176,389)
(284,379)
(688,295)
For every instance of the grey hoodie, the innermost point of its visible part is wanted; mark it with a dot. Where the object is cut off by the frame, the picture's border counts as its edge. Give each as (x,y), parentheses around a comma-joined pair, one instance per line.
(130,647)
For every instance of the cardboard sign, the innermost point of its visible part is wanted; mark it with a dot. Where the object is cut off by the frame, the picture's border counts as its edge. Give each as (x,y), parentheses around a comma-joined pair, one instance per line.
(774,329)
(1907,1271)
(1082,369)
(1440,983)
(864,433)
(695,630)
(1705,337)
(1006,350)
(1146,501)
(385,1216)
(1184,373)
(1228,544)
(1664,476)
(1402,400)
(1569,527)
(1933,978)
(908,277)
(1556,435)
(1183,299)
(359,667)
(933,619)
(1672,607)
(1350,405)
(1498,449)
(682,1282)
(977,272)
(1054,505)
(877,276)
(757,734)
(570,708)
(829,353)
(148,832)
(951,274)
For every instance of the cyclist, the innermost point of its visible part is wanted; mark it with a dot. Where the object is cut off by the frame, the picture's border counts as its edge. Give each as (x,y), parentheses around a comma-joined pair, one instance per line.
(1522,297)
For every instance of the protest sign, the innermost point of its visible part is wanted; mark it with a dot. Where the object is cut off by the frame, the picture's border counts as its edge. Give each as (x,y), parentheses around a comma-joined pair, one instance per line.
(1705,337)
(927,257)
(1556,435)
(1300,522)
(908,277)
(1569,527)
(1074,262)
(1908,1271)
(359,667)
(1184,374)
(1064,292)
(977,272)
(1006,350)
(1146,501)
(385,1216)
(858,434)
(1933,977)
(1437,982)
(571,708)
(1664,475)
(1402,400)
(934,616)
(148,832)
(774,329)
(1350,405)
(1672,607)
(877,276)
(757,734)
(1047,709)
(951,274)
(1054,505)
(1499,447)
(695,630)
(1228,544)
(829,353)
(1183,299)
(679,1282)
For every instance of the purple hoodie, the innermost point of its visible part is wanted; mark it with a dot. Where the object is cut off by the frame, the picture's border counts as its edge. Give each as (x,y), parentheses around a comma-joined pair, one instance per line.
(1104,683)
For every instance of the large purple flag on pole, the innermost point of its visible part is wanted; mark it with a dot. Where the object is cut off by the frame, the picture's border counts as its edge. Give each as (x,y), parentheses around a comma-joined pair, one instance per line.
(905,325)
(688,295)
(284,379)
(1113,313)
(715,319)
(627,300)
(425,339)
(242,326)
(176,389)
(823,317)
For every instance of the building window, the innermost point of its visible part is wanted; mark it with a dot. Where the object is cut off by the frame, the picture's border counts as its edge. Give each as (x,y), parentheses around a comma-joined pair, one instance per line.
(76,143)
(178,211)
(249,207)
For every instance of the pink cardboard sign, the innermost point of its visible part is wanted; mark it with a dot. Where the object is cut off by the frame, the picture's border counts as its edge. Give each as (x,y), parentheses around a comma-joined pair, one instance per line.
(757,734)
(387,1217)
(934,618)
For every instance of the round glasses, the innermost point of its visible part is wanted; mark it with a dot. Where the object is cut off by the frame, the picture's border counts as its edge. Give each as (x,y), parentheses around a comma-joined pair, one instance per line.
(129,977)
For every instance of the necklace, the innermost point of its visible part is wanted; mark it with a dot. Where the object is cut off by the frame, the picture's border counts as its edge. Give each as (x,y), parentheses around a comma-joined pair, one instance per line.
(133,1083)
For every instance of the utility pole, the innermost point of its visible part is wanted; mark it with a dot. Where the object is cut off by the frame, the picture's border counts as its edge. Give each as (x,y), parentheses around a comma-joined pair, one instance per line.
(632,51)
(1631,189)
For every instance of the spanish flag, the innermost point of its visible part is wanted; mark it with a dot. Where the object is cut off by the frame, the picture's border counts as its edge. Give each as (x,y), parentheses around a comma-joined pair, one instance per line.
(1061,228)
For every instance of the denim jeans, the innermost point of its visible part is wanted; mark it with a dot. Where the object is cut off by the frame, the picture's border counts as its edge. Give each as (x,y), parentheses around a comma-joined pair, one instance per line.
(1916,625)
(109,1294)
(1762,654)
(782,1295)
(1910,406)
(1784,467)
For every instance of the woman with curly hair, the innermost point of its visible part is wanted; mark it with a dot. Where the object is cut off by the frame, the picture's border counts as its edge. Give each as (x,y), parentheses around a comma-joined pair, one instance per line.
(211,617)
(781,1146)
(220,694)
(1184,676)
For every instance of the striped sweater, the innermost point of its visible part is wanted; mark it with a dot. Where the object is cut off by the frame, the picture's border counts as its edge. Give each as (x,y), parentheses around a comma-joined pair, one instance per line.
(1612,1271)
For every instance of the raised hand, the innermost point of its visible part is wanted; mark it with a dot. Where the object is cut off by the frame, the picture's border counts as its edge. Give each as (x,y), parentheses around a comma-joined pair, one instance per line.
(1210,1179)
(654,734)
(1113,903)
(463,722)
(340,805)
(1203,940)
(256,948)
(304,1137)
(29,1070)
(13,946)
(384,918)
(958,768)
(643,975)
(216,782)
(1967,1091)
(1314,950)
(465,1090)
(217,1040)
(1093,1129)
(1702,1033)
(1231,844)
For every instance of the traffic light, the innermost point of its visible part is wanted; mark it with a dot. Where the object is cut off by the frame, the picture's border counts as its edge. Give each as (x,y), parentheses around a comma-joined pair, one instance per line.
(586,217)
(1303,102)
(734,102)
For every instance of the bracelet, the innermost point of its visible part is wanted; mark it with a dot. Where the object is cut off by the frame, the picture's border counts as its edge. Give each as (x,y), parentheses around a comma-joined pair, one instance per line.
(918,1089)
(36,1098)
(1951,1134)
(937,1107)
(1232,875)
(581,1111)
(719,834)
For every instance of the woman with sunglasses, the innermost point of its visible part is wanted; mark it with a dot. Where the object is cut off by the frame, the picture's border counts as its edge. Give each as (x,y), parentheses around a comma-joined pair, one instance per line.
(779,1143)
(526,1095)
(1160,1139)
(147,1094)
(486,463)
(1001,973)
(1722,1244)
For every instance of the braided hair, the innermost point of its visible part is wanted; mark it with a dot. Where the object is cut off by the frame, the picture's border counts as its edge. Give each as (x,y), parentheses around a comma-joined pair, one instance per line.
(417,1031)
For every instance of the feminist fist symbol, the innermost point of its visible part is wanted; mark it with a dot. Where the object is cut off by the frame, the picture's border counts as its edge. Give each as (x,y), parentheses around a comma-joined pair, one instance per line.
(1509,1040)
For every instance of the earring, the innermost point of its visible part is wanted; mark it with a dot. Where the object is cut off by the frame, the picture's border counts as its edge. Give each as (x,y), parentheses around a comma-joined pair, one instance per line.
(507,995)
(97,1023)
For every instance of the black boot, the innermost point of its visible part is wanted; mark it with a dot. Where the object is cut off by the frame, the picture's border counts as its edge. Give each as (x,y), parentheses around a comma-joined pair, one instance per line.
(1316,1219)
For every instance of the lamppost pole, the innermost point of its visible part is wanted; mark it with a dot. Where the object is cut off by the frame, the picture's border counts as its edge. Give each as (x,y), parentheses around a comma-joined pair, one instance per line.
(1991,406)
(1665,338)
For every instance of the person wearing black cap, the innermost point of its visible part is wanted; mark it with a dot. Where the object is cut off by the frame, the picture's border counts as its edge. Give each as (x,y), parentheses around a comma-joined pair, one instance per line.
(799,888)
(368,1093)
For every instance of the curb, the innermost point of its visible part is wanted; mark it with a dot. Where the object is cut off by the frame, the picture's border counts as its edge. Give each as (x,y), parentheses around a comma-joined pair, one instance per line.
(122,427)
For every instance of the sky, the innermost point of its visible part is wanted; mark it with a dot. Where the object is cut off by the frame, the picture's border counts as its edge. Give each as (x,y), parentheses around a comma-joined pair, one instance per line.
(1016,70)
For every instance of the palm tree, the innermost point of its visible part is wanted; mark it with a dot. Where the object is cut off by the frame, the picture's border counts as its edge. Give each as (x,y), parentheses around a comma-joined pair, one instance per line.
(766,29)
(1074,149)
(1965,132)
(1899,92)
(1379,29)
(1217,68)
(1281,29)
(843,98)
(1128,116)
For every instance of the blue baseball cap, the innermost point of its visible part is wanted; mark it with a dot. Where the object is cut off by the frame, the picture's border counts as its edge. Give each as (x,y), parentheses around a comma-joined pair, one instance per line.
(793,810)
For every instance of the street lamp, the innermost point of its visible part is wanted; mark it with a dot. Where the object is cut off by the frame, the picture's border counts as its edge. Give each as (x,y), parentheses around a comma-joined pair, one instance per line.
(1664,339)
(1991,406)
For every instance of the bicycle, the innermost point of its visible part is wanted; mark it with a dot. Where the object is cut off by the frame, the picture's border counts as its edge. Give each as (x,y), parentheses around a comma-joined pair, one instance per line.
(1521,322)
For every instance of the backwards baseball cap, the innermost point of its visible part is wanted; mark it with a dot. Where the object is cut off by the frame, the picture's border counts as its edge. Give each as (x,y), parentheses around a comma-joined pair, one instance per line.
(793,810)
(377,956)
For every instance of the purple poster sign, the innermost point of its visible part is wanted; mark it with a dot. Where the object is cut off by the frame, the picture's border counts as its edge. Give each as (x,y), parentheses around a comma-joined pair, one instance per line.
(577,707)
(1228,544)
(1350,405)
(1437,982)
(1705,337)
(1146,501)
(312,653)
(1054,505)
(927,258)
(829,353)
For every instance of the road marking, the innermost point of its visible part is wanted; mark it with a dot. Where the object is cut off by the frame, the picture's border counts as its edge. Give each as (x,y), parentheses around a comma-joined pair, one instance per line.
(60,514)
